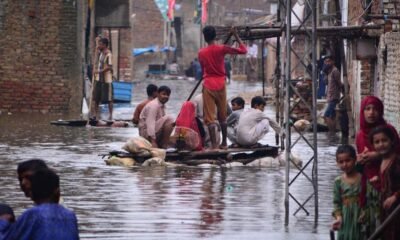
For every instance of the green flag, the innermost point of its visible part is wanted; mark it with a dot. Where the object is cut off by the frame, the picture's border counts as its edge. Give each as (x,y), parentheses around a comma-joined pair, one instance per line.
(163,7)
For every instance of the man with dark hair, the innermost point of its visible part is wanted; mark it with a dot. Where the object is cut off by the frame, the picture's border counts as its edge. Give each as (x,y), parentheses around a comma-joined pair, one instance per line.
(214,92)
(237,108)
(25,170)
(152,92)
(7,217)
(154,124)
(47,220)
(333,93)
(102,92)
(254,124)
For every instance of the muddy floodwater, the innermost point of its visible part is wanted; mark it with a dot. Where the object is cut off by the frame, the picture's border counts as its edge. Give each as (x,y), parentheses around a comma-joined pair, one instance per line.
(163,202)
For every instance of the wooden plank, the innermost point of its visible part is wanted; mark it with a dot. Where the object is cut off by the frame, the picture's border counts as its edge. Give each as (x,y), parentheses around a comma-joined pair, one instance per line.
(228,155)
(260,32)
(72,123)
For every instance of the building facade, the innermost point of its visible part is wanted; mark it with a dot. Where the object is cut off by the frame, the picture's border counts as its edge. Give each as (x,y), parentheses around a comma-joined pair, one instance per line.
(40,64)
(373,67)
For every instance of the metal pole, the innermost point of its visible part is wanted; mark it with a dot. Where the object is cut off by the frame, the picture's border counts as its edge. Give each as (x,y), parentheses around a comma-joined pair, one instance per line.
(378,232)
(169,25)
(314,109)
(118,47)
(287,105)
(263,67)
(278,78)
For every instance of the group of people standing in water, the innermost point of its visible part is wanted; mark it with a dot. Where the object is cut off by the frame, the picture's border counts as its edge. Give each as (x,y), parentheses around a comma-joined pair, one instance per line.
(368,191)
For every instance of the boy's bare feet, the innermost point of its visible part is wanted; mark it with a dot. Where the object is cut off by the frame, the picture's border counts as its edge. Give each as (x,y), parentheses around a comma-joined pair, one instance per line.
(223,147)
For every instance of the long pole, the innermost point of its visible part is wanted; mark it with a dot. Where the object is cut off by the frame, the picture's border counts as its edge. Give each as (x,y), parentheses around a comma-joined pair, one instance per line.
(388,220)
(278,80)
(92,36)
(93,77)
(287,106)
(344,69)
(314,112)
(263,67)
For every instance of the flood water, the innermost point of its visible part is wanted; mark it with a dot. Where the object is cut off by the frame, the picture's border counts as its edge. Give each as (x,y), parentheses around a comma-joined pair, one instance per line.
(163,202)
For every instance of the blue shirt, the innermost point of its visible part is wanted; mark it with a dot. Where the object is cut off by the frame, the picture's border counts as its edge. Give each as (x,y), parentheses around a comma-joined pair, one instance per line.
(47,221)
(4,225)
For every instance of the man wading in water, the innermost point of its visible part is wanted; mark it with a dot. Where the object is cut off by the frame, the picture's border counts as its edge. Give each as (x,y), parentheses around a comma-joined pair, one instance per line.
(214,91)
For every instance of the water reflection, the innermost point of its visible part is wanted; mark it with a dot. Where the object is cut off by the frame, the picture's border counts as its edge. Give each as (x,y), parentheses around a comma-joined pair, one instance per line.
(161,202)
(212,203)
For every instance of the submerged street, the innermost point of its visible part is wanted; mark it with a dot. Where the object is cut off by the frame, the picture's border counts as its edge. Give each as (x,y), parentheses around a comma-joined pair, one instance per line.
(113,202)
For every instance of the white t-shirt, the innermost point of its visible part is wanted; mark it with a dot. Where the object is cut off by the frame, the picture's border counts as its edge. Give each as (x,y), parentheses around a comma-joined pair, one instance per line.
(252,51)
(252,126)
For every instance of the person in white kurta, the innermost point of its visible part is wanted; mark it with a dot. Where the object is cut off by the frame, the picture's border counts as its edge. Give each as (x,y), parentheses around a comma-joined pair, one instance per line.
(253,124)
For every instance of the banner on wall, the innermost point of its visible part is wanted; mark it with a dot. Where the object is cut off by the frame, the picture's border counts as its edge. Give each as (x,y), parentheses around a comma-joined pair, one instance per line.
(204,11)
(171,9)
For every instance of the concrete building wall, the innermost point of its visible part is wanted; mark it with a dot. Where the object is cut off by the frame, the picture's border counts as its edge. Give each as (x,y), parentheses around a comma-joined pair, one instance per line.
(147,29)
(242,12)
(390,72)
(191,32)
(376,76)
(40,64)
(221,13)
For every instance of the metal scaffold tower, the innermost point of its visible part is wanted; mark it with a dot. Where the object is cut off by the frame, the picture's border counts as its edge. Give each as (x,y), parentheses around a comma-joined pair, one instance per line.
(296,32)
(293,21)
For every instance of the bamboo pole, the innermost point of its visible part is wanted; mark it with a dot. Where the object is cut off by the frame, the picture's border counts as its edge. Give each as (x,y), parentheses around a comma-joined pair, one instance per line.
(263,67)
(93,78)
(381,16)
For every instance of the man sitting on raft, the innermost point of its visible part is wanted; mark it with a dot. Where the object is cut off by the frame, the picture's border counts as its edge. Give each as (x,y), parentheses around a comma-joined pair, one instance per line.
(254,124)
(154,124)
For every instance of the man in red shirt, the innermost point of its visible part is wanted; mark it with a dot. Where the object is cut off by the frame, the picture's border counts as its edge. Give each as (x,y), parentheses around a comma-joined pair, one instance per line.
(214,92)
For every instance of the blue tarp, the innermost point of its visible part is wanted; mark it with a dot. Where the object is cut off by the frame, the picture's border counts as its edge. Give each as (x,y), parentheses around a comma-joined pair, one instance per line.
(151,49)
(166,49)
(141,51)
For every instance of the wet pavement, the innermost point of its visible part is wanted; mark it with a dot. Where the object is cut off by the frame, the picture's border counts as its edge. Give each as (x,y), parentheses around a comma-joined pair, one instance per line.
(163,202)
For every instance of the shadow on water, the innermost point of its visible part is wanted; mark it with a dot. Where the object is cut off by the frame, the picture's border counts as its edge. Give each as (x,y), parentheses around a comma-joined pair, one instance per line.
(162,202)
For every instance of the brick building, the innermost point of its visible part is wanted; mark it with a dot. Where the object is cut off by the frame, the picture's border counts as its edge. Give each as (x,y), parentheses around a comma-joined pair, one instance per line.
(40,64)
(147,29)
(220,13)
(186,34)
(376,73)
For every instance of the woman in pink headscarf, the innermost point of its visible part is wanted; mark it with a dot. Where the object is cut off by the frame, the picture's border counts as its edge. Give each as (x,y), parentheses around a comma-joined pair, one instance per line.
(371,116)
